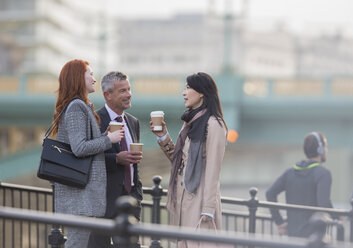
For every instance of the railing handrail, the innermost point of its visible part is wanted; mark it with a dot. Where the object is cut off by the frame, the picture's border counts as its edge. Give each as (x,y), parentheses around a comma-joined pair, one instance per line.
(245,214)
(252,204)
(286,206)
(115,227)
(219,237)
(96,224)
(49,190)
(149,191)
(150,203)
(25,187)
(224,199)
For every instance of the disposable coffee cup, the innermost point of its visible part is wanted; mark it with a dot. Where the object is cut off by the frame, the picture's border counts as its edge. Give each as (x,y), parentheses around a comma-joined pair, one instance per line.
(157,118)
(114,126)
(136,147)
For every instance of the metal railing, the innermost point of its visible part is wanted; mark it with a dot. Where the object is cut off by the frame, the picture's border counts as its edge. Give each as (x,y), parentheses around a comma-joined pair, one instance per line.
(122,228)
(253,204)
(20,233)
(32,234)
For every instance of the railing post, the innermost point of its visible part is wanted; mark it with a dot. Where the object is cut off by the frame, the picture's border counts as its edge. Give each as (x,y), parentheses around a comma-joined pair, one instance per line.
(157,192)
(252,205)
(125,209)
(340,231)
(351,220)
(56,239)
(318,223)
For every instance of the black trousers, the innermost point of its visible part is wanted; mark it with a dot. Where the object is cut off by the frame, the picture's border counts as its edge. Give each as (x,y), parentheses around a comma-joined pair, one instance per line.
(97,240)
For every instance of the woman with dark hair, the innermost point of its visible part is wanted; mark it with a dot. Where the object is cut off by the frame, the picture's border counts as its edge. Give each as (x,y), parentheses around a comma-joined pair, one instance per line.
(194,188)
(79,127)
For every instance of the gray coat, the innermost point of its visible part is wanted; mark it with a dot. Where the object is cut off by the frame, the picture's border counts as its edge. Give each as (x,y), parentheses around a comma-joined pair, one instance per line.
(79,128)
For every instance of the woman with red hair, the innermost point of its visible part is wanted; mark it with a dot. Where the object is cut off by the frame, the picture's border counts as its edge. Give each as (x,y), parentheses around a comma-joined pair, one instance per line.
(79,127)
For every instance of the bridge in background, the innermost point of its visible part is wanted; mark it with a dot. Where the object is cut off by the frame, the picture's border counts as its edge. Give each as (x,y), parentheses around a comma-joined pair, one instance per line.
(261,110)
(264,111)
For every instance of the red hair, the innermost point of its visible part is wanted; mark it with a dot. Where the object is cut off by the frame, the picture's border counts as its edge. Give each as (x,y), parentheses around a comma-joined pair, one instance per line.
(72,84)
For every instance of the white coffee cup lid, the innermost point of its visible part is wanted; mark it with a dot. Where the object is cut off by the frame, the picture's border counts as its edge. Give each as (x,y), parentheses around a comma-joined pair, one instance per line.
(115,123)
(157,113)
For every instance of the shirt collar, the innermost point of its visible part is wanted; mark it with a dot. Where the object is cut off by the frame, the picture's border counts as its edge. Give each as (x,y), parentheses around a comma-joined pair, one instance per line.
(112,114)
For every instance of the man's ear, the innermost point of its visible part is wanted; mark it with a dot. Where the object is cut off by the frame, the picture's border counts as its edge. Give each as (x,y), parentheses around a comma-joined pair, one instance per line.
(106,94)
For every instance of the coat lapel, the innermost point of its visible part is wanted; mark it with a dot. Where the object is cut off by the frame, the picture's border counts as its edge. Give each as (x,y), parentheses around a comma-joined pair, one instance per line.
(131,127)
(105,120)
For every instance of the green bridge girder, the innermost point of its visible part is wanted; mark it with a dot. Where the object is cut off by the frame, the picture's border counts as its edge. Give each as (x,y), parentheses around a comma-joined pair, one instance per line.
(271,119)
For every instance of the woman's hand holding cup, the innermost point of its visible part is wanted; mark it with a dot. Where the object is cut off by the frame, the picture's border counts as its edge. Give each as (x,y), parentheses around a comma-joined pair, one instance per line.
(160,133)
(157,123)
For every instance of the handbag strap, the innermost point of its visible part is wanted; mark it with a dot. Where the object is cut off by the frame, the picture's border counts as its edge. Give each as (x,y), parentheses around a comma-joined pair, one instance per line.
(213,223)
(55,122)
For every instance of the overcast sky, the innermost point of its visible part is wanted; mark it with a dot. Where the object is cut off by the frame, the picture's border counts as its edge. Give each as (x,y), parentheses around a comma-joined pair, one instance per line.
(298,15)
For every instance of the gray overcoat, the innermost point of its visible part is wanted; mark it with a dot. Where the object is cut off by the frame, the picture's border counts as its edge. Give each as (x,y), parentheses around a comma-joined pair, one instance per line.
(79,128)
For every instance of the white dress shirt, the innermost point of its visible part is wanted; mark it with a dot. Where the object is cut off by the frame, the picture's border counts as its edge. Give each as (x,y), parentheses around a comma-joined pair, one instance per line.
(128,136)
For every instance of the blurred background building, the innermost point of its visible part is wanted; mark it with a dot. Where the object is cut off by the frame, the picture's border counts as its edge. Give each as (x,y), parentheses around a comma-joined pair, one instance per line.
(276,85)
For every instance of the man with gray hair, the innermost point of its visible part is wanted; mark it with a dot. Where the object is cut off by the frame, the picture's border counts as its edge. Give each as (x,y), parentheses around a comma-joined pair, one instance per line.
(121,164)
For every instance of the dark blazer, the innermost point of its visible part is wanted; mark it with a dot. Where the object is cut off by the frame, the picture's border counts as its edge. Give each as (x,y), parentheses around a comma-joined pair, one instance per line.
(115,172)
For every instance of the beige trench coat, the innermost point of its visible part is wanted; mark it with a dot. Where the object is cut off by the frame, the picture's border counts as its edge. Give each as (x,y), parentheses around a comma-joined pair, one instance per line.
(207,198)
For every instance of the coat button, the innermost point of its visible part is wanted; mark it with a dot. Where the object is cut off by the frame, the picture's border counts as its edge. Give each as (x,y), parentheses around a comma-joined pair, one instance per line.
(181,183)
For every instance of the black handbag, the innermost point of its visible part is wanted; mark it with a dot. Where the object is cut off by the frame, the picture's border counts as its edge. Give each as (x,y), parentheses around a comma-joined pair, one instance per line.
(59,164)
